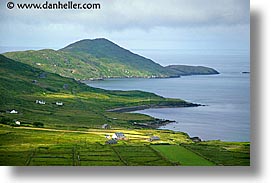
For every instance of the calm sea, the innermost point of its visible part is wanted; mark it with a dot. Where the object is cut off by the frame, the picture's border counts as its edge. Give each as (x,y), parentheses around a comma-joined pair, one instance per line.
(227,95)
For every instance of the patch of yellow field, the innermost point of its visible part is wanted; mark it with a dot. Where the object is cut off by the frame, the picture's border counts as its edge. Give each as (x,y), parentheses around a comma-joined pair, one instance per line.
(93,95)
(140,136)
(60,96)
(233,148)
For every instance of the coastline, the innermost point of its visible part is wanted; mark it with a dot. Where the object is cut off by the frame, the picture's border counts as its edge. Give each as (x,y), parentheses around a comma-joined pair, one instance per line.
(143,77)
(157,106)
(125,77)
(156,122)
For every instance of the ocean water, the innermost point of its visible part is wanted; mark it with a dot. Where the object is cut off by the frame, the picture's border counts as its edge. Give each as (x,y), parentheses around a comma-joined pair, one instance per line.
(226,115)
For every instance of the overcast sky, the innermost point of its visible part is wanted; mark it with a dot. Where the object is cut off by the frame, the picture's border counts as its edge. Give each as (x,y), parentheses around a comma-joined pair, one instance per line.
(134,24)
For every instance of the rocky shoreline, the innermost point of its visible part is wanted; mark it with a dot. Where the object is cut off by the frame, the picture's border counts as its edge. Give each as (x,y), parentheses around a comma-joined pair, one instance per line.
(155,123)
(142,107)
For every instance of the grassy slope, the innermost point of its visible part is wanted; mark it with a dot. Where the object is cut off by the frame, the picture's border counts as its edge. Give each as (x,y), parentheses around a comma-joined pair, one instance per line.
(83,106)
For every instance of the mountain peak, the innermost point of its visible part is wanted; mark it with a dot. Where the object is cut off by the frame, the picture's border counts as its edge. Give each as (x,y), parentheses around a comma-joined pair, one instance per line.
(92,40)
(89,45)
(108,51)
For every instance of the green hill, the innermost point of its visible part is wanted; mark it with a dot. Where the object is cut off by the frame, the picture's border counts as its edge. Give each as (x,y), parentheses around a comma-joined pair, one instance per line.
(184,70)
(21,85)
(105,49)
(92,59)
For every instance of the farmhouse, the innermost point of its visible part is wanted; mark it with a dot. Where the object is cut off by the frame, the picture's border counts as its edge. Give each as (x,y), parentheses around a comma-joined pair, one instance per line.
(13,112)
(118,136)
(59,103)
(106,126)
(153,138)
(40,102)
(17,122)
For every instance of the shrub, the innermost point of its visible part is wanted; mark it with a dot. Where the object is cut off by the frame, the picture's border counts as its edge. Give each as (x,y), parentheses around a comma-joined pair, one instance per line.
(5,120)
(38,124)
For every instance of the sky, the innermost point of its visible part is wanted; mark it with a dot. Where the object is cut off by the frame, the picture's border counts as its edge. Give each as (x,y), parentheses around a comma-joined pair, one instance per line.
(133,24)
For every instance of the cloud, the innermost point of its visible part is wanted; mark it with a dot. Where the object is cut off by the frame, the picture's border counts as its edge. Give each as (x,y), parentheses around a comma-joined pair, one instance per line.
(127,21)
(143,14)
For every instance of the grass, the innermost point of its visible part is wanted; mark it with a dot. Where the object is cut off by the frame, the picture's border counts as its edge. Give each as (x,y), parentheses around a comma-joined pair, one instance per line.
(223,153)
(39,147)
(182,156)
(136,155)
(44,146)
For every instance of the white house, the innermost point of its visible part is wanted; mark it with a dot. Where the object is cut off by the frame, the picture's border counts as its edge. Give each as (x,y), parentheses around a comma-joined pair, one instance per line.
(40,102)
(13,112)
(17,122)
(59,103)
(118,136)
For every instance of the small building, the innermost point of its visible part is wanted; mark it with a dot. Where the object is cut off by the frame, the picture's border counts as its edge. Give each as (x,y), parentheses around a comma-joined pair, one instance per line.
(40,102)
(106,126)
(195,139)
(153,138)
(59,103)
(108,136)
(17,123)
(118,136)
(13,112)
(112,141)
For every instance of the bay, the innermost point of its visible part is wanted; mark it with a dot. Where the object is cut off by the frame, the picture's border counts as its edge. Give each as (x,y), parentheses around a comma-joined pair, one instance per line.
(226,115)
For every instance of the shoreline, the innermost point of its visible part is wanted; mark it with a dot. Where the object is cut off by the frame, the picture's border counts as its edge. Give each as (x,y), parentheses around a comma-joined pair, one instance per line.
(142,107)
(155,123)
(144,77)
(125,77)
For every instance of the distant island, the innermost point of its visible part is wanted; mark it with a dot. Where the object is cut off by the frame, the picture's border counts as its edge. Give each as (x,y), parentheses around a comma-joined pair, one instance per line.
(185,70)
(101,59)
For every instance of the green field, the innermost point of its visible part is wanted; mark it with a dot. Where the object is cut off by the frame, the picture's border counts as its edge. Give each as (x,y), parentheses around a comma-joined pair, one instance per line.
(39,147)
(43,146)
(182,156)
(223,153)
